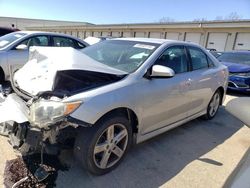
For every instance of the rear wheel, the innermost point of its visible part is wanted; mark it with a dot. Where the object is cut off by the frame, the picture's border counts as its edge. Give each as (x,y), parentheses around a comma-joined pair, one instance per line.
(101,148)
(213,105)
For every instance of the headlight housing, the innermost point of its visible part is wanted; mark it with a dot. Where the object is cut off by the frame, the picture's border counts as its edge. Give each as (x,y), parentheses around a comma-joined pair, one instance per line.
(46,112)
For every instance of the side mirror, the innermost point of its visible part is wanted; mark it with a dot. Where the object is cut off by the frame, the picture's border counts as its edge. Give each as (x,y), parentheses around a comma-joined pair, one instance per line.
(159,71)
(22,47)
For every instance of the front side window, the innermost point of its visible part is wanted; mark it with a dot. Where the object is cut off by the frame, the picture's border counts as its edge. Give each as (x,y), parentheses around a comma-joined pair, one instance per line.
(121,54)
(36,41)
(174,58)
(198,58)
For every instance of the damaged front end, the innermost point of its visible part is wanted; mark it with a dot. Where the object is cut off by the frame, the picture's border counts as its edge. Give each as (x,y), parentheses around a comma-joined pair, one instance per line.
(36,114)
(31,124)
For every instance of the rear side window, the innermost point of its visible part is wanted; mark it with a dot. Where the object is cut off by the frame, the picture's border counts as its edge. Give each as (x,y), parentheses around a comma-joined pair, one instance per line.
(198,58)
(174,58)
(79,45)
(63,42)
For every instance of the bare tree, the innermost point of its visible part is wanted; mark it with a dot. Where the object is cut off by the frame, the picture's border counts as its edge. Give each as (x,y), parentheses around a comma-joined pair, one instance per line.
(233,16)
(219,18)
(200,19)
(166,20)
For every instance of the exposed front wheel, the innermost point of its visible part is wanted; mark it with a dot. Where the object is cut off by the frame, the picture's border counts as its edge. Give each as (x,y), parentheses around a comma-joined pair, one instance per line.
(101,148)
(213,105)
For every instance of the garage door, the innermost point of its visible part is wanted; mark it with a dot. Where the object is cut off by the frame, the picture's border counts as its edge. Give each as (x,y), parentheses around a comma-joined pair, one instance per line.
(193,37)
(140,34)
(242,41)
(172,36)
(81,34)
(97,34)
(116,34)
(217,41)
(74,33)
(155,35)
(126,34)
(68,32)
(105,33)
(88,33)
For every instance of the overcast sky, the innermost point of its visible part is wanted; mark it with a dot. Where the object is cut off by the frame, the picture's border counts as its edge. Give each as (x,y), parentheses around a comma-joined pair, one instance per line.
(123,11)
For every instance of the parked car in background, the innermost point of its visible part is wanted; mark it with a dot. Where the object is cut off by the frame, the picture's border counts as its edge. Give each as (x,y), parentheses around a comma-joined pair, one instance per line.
(7,30)
(108,94)
(14,48)
(238,63)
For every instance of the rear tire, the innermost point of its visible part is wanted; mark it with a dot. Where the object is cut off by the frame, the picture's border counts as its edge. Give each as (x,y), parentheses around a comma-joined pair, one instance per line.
(102,147)
(213,106)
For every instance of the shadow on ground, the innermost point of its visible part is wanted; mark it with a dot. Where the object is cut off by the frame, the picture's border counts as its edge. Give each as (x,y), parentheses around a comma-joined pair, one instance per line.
(156,161)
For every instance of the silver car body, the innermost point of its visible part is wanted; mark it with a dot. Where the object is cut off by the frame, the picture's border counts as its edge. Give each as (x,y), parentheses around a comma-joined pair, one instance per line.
(159,104)
(12,59)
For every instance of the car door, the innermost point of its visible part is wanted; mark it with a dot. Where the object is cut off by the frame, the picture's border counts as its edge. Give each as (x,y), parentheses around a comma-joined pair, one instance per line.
(202,78)
(166,100)
(18,57)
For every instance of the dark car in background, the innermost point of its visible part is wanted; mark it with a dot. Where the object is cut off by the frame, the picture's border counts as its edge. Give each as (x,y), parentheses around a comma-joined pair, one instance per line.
(6,30)
(238,63)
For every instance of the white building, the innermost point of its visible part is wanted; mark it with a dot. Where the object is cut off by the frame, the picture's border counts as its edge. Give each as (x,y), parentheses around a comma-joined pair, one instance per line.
(23,23)
(219,35)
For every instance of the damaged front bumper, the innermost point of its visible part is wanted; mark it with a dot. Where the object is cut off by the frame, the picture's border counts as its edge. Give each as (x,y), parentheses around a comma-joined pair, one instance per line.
(27,137)
(12,110)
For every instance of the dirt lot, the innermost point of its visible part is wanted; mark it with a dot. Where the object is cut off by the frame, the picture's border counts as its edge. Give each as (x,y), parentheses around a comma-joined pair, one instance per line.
(197,154)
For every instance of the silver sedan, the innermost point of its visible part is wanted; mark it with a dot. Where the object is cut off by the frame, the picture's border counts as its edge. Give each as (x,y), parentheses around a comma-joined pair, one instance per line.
(14,48)
(112,92)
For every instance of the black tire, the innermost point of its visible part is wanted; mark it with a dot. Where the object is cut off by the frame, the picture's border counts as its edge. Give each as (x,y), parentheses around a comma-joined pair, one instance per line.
(210,115)
(87,139)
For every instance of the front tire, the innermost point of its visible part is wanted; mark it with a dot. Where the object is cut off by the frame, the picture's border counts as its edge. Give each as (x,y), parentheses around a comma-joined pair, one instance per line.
(102,147)
(213,105)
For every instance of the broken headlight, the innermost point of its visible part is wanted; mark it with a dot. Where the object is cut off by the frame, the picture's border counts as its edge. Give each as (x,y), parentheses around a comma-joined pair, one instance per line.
(45,112)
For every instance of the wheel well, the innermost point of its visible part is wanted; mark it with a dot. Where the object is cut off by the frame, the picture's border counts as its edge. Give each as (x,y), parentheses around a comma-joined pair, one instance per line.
(221,90)
(126,112)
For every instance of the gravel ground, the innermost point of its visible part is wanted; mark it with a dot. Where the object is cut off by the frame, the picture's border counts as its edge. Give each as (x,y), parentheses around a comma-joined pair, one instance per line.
(197,154)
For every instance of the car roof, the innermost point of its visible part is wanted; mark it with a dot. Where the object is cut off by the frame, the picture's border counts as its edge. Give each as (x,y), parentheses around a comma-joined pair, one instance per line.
(45,32)
(156,41)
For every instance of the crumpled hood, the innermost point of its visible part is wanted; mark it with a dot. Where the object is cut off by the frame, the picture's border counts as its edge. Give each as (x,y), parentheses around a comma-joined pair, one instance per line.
(237,68)
(38,74)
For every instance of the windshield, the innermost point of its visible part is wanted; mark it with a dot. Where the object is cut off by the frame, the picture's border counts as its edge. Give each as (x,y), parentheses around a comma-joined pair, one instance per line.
(241,58)
(9,38)
(120,54)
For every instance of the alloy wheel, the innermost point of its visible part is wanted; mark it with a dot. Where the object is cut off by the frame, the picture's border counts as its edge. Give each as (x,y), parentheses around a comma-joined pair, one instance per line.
(214,104)
(110,146)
